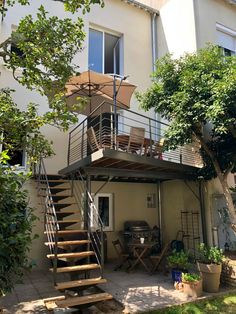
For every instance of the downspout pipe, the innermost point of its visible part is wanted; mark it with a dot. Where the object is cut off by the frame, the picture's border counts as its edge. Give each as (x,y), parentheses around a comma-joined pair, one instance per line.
(154,58)
(154,40)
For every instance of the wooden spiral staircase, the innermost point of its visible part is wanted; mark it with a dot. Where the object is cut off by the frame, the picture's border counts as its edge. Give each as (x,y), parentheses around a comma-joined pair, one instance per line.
(76,252)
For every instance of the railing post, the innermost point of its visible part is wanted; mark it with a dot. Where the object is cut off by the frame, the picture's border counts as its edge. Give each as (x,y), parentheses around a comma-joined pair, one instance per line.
(100,130)
(82,140)
(102,248)
(87,223)
(181,156)
(68,153)
(150,135)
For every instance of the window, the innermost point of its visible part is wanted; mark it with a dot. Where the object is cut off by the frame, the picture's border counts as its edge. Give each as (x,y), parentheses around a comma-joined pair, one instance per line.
(15,36)
(226,39)
(104,208)
(17,156)
(104,52)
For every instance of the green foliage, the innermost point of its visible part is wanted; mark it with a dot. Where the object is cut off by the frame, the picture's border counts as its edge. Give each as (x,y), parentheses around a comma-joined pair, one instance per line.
(48,45)
(190,277)
(16,221)
(191,92)
(178,260)
(20,130)
(210,254)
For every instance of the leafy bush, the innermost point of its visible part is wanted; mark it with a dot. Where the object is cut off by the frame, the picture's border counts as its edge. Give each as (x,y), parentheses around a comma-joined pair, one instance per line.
(188,277)
(178,260)
(16,221)
(210,254)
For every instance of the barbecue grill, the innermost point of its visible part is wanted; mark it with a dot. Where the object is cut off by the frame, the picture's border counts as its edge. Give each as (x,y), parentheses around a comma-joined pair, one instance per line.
(136,229)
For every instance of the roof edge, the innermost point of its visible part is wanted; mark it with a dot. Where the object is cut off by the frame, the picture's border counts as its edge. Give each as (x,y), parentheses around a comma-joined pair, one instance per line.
(142,6)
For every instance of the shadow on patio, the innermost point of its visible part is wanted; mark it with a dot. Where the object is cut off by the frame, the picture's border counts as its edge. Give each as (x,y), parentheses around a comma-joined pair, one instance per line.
(139,291)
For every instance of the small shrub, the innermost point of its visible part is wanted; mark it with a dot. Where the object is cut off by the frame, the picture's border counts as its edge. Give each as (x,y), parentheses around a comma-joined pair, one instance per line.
(188,277)
(16,222)
(178,260)
(210,254)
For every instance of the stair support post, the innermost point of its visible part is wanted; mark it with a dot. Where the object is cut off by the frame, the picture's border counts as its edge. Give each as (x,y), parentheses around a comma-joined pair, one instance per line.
(87,223)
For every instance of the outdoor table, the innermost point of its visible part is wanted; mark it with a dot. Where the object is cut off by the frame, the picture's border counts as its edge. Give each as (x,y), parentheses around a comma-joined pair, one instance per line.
(140,251)
(122,141)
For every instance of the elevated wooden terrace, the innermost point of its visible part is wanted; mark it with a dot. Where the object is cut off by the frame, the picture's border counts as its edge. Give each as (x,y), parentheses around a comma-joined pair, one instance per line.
(129,147)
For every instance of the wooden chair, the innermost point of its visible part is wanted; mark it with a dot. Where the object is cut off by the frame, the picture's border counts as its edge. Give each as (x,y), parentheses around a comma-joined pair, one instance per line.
(156,150)
(136,140)
(92,139)
(123,258)
(156,259)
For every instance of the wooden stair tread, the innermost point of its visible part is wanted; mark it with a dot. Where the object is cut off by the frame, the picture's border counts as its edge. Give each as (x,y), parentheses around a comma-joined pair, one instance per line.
(80,283)
(55,180)
(72,242)
(55,187)
(76,268)
(68,221)
(67,231)
(56,194)
(92,298)
(72,255)
(65,204)
(71,212)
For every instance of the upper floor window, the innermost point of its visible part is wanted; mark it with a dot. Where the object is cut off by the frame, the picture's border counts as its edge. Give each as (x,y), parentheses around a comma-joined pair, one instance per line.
(104,52)
(226,39)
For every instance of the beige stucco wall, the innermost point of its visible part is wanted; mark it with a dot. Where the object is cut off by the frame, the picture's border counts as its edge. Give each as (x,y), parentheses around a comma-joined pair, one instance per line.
(210,12)
(176,197)
(129,200)
(38,249)
(176,28)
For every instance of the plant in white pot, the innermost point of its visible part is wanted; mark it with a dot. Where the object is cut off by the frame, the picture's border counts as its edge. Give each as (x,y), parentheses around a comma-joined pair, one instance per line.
(192,284)
(210,267)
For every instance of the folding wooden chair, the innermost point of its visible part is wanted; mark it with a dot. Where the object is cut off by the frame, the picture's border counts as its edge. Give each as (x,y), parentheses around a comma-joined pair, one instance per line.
(156,150)
(136,140)
(156,259)
(123,257)
(92,139)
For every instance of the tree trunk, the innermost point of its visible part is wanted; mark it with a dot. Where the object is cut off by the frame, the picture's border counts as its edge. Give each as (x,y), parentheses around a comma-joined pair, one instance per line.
(229,202)
(224,183)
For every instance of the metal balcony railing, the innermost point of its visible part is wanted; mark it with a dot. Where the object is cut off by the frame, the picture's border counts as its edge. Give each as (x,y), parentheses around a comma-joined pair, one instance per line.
(129,132)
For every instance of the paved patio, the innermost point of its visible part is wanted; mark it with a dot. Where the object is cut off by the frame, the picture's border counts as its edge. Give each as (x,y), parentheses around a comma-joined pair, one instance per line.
(137,291)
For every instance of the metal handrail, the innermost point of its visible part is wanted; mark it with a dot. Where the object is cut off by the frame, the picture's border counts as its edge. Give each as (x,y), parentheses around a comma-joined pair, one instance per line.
(154,131)
(51,224)
(79,192)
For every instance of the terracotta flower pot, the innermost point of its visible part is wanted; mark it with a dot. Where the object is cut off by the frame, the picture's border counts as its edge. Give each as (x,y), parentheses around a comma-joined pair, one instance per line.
(192,288)
(210,274)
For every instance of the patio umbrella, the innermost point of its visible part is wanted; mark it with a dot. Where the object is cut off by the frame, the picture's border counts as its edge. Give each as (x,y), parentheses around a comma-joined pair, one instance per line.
(96,88)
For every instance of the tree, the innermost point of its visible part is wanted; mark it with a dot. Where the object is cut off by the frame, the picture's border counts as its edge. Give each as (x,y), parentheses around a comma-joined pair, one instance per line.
(194,93)
(47,46)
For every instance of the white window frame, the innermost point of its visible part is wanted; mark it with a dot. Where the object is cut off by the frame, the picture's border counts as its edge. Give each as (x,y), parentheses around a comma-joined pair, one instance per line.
(121,44)
(94,212)
(227,31)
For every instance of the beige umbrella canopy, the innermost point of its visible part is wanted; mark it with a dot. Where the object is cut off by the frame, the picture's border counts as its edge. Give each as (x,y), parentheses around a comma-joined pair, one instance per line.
(95,89)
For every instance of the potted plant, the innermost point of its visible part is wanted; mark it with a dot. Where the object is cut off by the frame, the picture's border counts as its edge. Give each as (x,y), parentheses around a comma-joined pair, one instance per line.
(179,262)
(210,266)
(192,284)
